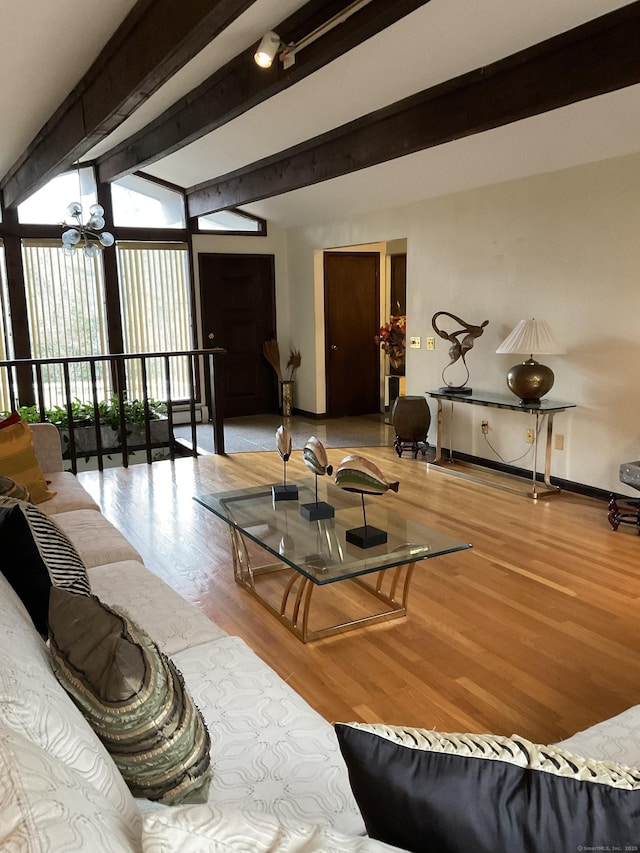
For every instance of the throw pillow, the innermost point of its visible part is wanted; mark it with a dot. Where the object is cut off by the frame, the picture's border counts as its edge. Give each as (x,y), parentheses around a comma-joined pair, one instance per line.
(35,554)
(423,790)
(133,697)
(10,489)
(18,458)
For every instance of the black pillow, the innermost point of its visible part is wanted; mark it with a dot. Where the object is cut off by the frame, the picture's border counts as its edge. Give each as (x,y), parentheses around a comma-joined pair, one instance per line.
(34,554)
(452,793)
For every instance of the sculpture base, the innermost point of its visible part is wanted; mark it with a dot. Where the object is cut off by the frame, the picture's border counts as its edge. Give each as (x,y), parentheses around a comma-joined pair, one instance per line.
(366,537)
(449,390)
(284,493)
(316,511)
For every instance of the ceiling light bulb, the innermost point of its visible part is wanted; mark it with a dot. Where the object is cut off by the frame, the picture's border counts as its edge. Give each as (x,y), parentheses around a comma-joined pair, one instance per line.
(267,49)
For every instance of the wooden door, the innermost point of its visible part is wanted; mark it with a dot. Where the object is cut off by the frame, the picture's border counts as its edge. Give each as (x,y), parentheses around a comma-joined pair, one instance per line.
(237,299)
(352,318)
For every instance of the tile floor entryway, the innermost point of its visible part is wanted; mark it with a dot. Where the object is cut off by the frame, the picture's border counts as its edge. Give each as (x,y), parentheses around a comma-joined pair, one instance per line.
(257,432)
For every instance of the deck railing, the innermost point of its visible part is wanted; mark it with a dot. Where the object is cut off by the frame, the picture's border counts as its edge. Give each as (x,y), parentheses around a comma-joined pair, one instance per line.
(45,384)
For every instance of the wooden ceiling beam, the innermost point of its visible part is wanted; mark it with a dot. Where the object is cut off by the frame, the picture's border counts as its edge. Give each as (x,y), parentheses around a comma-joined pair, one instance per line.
(241,84)
(598,57)
(155,40)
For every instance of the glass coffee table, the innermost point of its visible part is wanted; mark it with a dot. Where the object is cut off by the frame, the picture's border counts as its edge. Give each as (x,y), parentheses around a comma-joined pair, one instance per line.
(312,554)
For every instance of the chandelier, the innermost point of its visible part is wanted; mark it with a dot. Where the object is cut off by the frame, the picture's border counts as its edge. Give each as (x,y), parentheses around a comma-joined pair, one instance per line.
(87,236)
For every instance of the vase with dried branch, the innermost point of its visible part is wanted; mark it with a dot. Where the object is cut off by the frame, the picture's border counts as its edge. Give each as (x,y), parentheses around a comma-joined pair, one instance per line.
(271,352)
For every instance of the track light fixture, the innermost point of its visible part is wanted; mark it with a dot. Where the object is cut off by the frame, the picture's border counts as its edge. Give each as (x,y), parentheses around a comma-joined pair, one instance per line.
(267,49)
(271,45)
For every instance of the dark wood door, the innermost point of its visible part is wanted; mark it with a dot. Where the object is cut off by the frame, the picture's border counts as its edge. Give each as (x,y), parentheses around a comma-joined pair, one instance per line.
(352,318)
(237,299)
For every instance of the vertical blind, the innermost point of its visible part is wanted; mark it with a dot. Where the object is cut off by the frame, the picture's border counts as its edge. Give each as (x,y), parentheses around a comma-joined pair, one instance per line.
(156,311)
(5,402)
(67,317)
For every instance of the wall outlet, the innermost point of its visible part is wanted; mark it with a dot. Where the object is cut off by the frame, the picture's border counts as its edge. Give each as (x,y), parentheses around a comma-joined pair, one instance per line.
(485,427)
(416,343)
(559,442)
(530,436)
(430,343)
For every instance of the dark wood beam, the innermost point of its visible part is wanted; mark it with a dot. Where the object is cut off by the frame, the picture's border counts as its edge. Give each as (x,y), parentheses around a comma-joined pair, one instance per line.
(155,40)
(598,57)
(241,85)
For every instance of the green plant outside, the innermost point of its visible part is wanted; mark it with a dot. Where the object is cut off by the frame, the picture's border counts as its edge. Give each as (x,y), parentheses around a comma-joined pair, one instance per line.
(109,412)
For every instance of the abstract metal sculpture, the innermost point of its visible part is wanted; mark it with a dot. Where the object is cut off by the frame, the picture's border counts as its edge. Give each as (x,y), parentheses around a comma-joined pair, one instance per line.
(458,349)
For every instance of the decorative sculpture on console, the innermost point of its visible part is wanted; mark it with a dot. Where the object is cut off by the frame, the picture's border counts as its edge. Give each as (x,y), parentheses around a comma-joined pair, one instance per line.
(458,349)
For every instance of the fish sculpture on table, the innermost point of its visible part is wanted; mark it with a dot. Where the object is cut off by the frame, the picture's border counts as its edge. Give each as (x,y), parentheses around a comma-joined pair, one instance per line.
(315,457)
(283,492)
(357,474)
(283,442)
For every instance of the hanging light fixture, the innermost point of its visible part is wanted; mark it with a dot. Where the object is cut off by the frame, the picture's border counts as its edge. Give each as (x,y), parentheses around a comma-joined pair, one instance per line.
(87,236)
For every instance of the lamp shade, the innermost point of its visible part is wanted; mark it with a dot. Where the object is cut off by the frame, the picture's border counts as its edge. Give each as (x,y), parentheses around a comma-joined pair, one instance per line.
(533,337)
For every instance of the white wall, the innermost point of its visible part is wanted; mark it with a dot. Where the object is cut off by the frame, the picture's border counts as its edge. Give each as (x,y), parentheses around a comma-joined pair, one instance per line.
(563,247)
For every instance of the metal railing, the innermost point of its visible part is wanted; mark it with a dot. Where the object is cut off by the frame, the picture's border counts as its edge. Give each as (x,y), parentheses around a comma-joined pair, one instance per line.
(28,383)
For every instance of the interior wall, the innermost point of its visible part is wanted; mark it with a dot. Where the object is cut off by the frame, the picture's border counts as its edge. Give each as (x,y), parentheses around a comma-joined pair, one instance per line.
(562,247)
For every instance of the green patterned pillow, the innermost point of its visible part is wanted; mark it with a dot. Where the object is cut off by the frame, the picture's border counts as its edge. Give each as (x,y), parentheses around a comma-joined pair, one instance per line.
(133,697)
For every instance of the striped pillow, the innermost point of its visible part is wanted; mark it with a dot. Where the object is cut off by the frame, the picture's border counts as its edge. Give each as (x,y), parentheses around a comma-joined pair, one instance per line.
(18,458)
(35,554)
(133,697)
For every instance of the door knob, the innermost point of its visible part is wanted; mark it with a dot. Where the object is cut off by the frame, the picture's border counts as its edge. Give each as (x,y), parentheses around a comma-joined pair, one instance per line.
(334,346)
(211,336)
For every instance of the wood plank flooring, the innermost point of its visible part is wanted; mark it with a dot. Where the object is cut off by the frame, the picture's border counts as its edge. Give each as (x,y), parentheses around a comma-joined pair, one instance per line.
(534,630)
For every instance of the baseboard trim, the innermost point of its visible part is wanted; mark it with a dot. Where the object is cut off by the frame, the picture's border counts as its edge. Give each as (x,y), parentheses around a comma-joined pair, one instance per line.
(524,473)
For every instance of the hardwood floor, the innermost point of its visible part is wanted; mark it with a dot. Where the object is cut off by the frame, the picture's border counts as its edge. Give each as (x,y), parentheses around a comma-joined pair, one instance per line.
(534,630)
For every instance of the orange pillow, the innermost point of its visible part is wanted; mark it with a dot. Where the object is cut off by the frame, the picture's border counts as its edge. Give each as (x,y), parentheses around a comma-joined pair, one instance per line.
(18,458)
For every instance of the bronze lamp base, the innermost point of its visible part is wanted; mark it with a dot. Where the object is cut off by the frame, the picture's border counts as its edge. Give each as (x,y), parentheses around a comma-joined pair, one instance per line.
(530,380)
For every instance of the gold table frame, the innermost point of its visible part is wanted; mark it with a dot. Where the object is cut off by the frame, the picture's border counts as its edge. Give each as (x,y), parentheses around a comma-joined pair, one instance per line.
(295,605)
(319,552)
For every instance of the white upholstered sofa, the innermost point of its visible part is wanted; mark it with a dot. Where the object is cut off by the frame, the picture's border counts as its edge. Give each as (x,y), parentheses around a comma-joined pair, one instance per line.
(279,782)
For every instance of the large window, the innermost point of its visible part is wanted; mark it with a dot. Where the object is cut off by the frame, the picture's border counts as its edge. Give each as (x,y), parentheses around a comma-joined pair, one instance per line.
(66,310)
(139,202)
(49,205)
(156,312)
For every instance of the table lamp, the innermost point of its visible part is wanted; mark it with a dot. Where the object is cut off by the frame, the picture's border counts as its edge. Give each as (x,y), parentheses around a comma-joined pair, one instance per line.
(530,380)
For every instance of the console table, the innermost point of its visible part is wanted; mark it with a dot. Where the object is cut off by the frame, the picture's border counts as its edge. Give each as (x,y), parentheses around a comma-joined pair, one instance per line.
(544,409)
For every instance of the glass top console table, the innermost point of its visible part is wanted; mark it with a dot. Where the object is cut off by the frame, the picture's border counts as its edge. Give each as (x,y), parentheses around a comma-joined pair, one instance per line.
(309,554)
(544,409)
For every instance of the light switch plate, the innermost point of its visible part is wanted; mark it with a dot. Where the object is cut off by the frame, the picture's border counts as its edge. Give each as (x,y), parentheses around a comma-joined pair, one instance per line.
(415,343)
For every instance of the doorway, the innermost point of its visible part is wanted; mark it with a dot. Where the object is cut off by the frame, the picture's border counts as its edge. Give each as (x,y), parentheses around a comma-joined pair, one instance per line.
(352,312)
(237,305)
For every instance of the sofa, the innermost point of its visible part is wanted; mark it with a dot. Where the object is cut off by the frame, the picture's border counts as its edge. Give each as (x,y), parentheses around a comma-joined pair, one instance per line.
(278,778)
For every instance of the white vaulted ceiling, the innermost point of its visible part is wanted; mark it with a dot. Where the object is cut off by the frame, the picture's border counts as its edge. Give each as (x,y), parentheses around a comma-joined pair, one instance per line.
(44,55)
